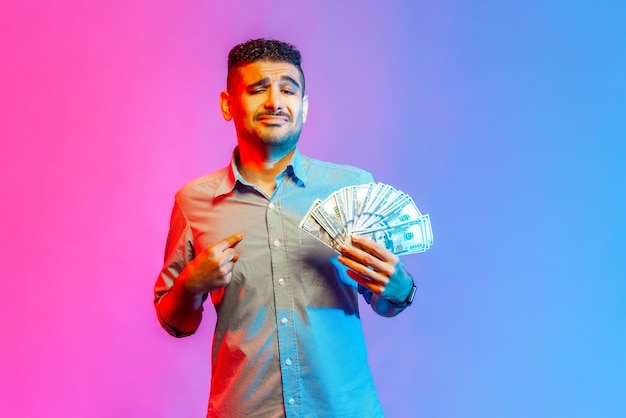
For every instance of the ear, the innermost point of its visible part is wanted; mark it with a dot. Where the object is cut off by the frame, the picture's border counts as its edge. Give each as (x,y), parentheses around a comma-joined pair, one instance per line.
(305,108)
(225,102)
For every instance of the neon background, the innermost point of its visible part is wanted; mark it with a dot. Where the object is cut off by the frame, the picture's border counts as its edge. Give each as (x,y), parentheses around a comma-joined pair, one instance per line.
(506,121)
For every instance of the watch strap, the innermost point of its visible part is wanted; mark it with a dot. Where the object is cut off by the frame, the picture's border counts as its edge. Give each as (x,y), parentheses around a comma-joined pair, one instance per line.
(409,299)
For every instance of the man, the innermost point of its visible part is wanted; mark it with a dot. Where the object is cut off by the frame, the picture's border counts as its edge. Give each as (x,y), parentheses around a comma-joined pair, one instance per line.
(288,339)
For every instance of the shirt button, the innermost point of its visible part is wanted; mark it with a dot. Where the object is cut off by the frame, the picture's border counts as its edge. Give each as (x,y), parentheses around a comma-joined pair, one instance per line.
(271,205)
(281,281)
(291,401)
(277,243)
(284,320)
(288,362)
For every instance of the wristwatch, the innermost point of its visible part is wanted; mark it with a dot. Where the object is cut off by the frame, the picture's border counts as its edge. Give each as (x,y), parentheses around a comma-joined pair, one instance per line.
(409,299)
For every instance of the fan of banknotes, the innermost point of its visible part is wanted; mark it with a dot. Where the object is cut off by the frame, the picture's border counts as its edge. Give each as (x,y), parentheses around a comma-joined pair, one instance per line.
(374,210)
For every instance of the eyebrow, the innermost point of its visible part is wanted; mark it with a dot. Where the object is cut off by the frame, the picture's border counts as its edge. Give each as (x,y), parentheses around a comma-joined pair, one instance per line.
(265,81)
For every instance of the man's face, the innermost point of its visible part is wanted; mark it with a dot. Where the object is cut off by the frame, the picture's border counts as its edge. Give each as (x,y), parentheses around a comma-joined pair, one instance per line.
(266,102)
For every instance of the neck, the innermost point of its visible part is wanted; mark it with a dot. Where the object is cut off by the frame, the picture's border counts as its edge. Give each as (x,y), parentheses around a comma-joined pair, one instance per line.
(260,167)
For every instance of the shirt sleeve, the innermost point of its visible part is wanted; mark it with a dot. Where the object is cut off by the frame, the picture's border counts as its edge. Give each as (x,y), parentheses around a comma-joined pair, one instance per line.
(179,250)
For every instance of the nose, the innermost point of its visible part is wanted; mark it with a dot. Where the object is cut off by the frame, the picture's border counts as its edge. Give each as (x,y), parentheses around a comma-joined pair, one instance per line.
(273,100)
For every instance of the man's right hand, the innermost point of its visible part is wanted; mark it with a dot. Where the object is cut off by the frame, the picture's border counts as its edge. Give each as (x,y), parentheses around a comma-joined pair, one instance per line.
(181,308)
(211,269)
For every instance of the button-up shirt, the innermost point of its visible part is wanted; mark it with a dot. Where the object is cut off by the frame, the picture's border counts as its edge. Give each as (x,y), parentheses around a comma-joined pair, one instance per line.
(288,339)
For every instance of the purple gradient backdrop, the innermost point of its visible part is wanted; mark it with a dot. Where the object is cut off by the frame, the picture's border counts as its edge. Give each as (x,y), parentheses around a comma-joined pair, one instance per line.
(505,121)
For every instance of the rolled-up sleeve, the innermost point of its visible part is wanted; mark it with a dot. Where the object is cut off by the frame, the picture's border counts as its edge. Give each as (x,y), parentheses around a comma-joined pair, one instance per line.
(179,251)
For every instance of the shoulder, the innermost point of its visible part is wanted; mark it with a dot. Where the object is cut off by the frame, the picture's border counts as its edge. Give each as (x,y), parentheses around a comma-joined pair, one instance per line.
(335,171)
(206,186)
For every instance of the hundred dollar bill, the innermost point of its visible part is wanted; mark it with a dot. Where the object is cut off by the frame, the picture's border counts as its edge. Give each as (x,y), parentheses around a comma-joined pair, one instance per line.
(410,237)
(327,214)
(360,196)
(403,212)
(342,207)
(315,229)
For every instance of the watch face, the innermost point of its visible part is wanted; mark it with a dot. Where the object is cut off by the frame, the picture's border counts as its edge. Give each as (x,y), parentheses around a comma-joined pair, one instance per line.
(409,299)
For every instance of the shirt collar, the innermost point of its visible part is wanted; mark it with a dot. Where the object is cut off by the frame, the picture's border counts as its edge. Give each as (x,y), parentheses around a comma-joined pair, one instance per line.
(296,169)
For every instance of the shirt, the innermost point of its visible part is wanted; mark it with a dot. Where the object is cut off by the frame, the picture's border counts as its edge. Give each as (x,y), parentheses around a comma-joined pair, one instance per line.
(288,339)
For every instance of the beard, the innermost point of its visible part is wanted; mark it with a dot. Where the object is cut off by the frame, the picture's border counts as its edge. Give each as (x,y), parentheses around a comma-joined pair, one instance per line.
(280,134)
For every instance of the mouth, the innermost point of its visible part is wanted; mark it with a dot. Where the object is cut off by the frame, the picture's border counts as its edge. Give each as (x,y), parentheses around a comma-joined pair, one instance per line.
(273,119)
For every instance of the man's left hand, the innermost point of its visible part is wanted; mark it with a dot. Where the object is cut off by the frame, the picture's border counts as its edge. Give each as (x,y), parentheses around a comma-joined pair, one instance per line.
(376,268)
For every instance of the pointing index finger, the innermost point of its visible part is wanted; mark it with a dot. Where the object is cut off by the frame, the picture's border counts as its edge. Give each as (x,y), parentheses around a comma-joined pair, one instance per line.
(229,242)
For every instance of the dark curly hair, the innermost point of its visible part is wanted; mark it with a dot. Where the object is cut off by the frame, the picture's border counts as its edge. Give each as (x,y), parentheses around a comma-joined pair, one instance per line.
(264,50)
